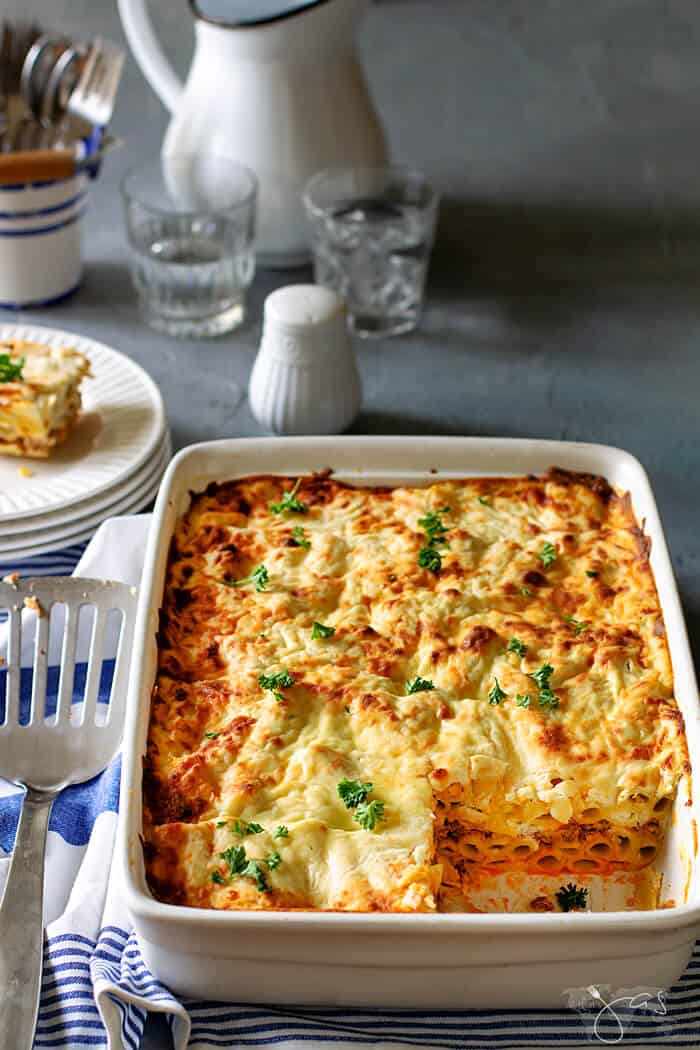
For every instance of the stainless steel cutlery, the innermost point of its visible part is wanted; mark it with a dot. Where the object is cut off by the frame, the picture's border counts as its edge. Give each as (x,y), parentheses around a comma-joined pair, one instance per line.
(54,92)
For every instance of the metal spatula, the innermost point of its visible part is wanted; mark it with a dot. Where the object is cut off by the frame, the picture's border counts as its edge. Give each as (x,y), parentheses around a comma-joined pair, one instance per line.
(49,740)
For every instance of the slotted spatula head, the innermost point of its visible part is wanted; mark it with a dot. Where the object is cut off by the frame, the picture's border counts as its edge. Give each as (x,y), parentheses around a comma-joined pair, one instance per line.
(59,728)
(55,729)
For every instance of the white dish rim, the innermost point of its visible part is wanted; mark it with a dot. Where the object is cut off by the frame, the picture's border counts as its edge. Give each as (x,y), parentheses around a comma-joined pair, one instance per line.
(143,906)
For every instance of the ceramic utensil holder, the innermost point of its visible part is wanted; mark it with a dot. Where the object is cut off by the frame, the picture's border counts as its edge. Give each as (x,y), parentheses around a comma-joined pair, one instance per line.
(40,241)
(305,378)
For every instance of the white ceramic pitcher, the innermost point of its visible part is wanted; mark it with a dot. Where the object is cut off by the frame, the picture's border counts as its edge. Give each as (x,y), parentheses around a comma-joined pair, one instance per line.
(284,95)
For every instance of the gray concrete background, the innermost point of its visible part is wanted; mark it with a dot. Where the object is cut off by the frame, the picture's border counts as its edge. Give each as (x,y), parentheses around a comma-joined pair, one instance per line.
(564,298)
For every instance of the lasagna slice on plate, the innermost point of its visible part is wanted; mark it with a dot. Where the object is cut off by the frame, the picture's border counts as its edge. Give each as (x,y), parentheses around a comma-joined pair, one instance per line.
(39,396)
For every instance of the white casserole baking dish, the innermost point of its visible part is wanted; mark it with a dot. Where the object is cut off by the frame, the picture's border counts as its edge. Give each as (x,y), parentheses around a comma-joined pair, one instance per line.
(427,961)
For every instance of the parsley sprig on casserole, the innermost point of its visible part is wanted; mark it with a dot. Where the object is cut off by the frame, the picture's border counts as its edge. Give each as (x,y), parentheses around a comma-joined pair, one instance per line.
(39,396)
(417,684)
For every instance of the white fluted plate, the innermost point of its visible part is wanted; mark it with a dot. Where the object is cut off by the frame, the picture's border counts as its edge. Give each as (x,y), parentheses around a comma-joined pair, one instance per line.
(27,529)
(121,427)
(83,529)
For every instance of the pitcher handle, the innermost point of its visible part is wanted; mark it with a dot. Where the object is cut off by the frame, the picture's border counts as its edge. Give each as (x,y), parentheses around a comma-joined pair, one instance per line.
(148,52)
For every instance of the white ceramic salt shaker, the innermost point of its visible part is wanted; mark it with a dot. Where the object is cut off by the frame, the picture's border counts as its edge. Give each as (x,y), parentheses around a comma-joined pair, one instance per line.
(305,378)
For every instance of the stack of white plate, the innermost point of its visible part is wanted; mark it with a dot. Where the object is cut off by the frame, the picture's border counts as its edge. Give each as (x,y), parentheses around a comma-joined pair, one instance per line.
(111,464)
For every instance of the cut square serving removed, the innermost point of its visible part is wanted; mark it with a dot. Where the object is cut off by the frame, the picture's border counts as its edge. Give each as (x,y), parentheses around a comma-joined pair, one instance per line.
(39,396)
(375,699)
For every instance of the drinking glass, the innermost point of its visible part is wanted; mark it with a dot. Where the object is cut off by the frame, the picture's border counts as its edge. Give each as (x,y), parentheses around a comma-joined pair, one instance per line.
(191,222)
(372,232)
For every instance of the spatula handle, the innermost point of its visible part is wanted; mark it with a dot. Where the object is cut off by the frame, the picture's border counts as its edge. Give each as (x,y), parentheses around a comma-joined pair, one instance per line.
(39,165)
(22,926)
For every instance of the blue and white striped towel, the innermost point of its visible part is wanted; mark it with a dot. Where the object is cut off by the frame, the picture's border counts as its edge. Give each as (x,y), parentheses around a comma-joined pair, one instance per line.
(97,990)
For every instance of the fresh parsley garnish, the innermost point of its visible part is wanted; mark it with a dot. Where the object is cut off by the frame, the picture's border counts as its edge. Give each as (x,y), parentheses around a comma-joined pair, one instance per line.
(496,694)
(260,577)
(546,698)
(274,682)
(299,538)
(429,558)
(235,858)
(247,827)
(354,792)
(419,685)
(319,630)
(289,504)
(212,736)
(240,865)
(483,500)
(572,897)
(253,870)
(516,646)
(433,526)
(282,832)
(369,814)
(548,555)
(526,592)
(592,573)
(542,676)
(522,699)
(11,371)
(217,877)
(435,531)
(578,625)
(273,861)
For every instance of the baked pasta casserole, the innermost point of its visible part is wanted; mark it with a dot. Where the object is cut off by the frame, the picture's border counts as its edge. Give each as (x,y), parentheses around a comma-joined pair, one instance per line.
(369,698)
(39,396)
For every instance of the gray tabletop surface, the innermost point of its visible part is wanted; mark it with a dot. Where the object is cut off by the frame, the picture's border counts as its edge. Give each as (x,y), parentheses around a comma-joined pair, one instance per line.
(564,295)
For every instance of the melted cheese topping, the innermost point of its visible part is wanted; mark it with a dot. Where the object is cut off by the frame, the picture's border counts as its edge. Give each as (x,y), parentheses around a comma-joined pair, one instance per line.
(453,770)
(38,411)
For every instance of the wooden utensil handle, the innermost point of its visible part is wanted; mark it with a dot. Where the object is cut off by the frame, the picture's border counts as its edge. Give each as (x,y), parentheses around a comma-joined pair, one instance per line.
(39,165)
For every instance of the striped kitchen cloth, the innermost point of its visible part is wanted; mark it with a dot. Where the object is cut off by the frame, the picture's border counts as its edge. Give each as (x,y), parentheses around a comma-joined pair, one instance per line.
(97,991)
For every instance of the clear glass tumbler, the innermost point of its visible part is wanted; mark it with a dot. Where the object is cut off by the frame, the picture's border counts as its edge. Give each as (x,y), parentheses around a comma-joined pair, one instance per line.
(191,224)
(372,232)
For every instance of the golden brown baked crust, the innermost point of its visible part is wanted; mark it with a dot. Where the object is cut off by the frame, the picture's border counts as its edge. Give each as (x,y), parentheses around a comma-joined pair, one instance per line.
(508,695)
